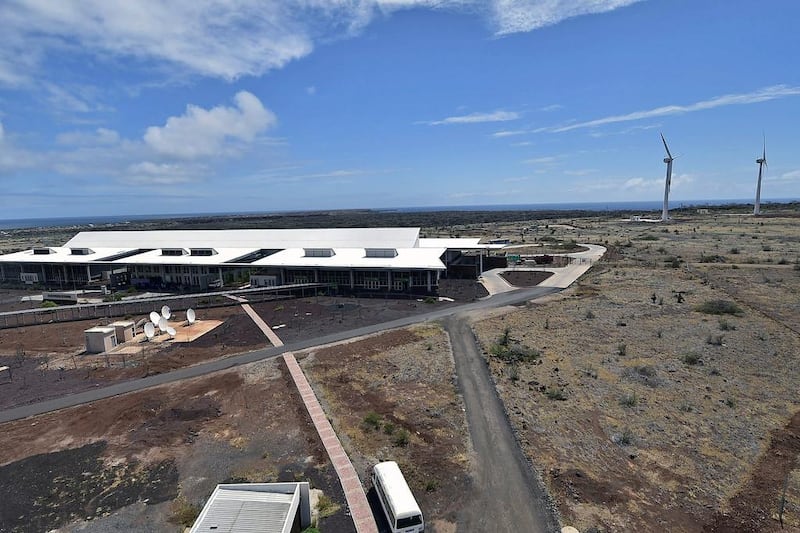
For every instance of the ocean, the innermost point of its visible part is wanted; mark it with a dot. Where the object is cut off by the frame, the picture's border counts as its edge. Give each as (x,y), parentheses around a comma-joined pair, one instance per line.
(643,206)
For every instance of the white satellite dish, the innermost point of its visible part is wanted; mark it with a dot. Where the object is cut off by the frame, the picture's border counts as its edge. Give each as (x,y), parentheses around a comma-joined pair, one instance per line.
(171,331)
(162,324)
(154,317)
(191,316)
(165,312)
(149,330)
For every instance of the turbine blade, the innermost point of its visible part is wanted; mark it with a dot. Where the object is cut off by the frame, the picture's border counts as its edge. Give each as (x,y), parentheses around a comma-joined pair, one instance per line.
(665,146)
(764,153)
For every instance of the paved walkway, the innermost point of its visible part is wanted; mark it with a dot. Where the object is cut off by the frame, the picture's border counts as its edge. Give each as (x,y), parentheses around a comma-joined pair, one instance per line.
(357,502)
(263,326)
(562,277)
(353,490)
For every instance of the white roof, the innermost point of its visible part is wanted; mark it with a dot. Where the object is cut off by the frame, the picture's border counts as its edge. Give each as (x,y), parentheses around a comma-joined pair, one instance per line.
(251,238)
(452,243)
(396,489)
(348,244)
(427,258)
(245,508)
(155,257)
(61,255)
(105,330)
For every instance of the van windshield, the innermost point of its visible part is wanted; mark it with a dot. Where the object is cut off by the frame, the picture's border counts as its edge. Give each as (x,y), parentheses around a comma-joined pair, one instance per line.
(409,521)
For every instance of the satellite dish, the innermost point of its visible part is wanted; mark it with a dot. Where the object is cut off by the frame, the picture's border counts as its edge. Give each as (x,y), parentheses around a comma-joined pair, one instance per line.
(149,330)
(165,312)
(191,316)
(154,317)
(162,324)
(171,331)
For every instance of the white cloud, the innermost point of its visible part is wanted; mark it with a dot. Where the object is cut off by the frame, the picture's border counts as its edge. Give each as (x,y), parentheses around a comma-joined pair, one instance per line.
(475,118)
(791,176)
(508,133)
(311,90)
(149,173)
(580,172)
(646,184)
(514,16)
(542,160)
(100,136)
(200,132)
(2,132)
(228,40)
(761,95)
(552,107)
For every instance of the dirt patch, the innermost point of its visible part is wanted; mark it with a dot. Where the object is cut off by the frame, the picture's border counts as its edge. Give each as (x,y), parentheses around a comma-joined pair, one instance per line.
(462,290)
(522,278)
(315,317)
(39,374)
(169,444)
(39,492)
(393,397)
(755,507)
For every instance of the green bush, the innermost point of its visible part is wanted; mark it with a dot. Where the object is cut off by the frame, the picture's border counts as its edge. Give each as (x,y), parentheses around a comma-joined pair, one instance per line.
(515,353)
(556,394)
(628,400)
(401,438)
(184,513)
(326,507)
(691,359)
(47,304)
(372,420)
(719,307)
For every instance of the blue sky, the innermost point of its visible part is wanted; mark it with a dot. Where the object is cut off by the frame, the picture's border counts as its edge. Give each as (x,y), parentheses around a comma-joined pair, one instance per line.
(197,106)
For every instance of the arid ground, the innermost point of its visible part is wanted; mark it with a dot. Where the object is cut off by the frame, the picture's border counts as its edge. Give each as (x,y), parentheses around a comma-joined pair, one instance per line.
(657,394)
(660,392)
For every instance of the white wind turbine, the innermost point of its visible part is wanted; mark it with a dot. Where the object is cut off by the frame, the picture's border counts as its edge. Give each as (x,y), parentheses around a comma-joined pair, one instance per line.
(668,161)
(762,162)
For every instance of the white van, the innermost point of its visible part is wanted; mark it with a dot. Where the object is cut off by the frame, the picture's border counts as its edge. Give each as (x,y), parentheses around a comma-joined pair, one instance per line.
(399,505)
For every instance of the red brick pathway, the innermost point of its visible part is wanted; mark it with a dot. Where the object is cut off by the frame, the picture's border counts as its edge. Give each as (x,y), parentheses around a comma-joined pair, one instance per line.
(353,490)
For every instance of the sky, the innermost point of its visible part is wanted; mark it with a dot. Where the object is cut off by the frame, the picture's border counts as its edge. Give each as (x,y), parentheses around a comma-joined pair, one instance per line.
(205,106)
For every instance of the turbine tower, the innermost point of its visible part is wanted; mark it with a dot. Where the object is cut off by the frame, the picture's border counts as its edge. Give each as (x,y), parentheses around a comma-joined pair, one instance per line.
(668,161)
(762,161)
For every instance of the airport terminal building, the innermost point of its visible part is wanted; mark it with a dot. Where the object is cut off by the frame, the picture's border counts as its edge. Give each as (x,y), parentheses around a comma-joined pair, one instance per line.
(352,260)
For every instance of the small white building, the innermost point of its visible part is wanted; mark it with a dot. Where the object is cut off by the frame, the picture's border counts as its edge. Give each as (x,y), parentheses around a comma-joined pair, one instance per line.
(124,329)
(100,339)
(262,507)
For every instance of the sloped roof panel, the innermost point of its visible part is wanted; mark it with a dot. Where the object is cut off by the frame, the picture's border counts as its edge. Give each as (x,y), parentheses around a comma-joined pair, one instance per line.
(251,238)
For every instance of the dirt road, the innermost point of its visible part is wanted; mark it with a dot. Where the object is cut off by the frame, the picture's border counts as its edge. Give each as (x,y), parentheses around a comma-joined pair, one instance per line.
(508,495)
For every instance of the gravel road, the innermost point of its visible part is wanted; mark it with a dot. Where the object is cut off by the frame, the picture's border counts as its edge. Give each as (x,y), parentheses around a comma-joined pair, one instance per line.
(508,495)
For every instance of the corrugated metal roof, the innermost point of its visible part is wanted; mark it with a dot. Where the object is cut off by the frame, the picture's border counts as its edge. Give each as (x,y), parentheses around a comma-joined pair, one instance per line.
(236,510)
(461,243)
(251,238)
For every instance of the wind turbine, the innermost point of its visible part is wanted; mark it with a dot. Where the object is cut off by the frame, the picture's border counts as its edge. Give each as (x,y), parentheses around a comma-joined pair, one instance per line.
(762,162)
(668,161)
